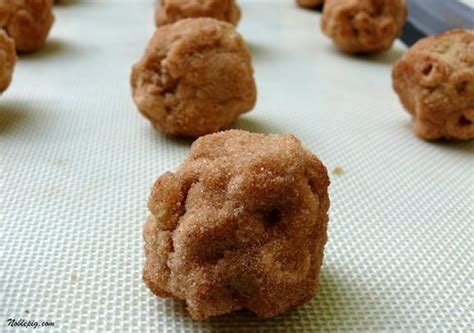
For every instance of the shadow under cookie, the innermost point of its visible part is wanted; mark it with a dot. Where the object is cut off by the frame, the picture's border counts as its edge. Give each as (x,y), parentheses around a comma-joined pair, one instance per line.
(333,305)
(13,116)
(252,123)
(53,47)
(463,147)
(66,3)
(388,57)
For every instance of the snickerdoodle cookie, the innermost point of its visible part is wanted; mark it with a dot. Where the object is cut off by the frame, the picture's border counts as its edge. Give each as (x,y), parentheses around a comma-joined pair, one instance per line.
(7,60)
(241,224)
(435,82)
(27,21)
(363,26)
(195,78)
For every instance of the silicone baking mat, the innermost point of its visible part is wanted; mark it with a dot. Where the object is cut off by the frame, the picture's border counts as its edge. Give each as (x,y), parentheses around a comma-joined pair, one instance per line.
(78,161)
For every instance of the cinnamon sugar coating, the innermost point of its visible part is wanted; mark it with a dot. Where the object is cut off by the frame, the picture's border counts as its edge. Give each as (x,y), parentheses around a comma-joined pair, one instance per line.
(27,21)
(241,224)
(435,82)
(363,26)
(7,60)
(195,78)
(170,11)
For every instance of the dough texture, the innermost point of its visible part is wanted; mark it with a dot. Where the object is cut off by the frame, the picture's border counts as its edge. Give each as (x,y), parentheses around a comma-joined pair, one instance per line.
(170,11)
(195,78)
(435,82)
(363,26)
(241,224)
(27,21)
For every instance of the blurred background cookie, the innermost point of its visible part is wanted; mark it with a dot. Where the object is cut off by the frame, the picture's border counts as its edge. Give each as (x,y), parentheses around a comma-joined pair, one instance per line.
(309,3)
(27,21)
(435,82)
(170,11)
(195,78)
(7,60)
(363,26)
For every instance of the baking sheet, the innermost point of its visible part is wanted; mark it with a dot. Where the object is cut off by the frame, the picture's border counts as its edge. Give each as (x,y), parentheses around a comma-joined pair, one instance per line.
(78,161)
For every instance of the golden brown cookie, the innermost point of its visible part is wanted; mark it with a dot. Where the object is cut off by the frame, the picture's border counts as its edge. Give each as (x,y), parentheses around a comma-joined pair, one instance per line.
(7,60)
(27,21)
(363,26)
(309,3)
(241,224)
(170,11)
(195,78)
(435,82)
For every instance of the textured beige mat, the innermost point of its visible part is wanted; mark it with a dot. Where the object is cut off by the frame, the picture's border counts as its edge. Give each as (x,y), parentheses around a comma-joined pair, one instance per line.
(77,163)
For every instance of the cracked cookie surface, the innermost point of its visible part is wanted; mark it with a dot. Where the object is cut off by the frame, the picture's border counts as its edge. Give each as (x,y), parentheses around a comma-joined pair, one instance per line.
(434,80)
(241,224)
(363,26)
(195,78)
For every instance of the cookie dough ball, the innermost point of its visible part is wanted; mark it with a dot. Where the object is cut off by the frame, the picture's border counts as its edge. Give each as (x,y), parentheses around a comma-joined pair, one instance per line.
(170,11)
(363,26)
(309,3)
(435,82)
(7,60)
(240,225)
(195,78)
(27,22)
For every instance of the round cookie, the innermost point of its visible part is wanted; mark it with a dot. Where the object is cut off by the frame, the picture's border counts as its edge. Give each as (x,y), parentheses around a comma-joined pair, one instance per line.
(435,82)
(170,11)
(363,26)
(7,60)
(195,78)
(241,224)
(309,3)
(27,21)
